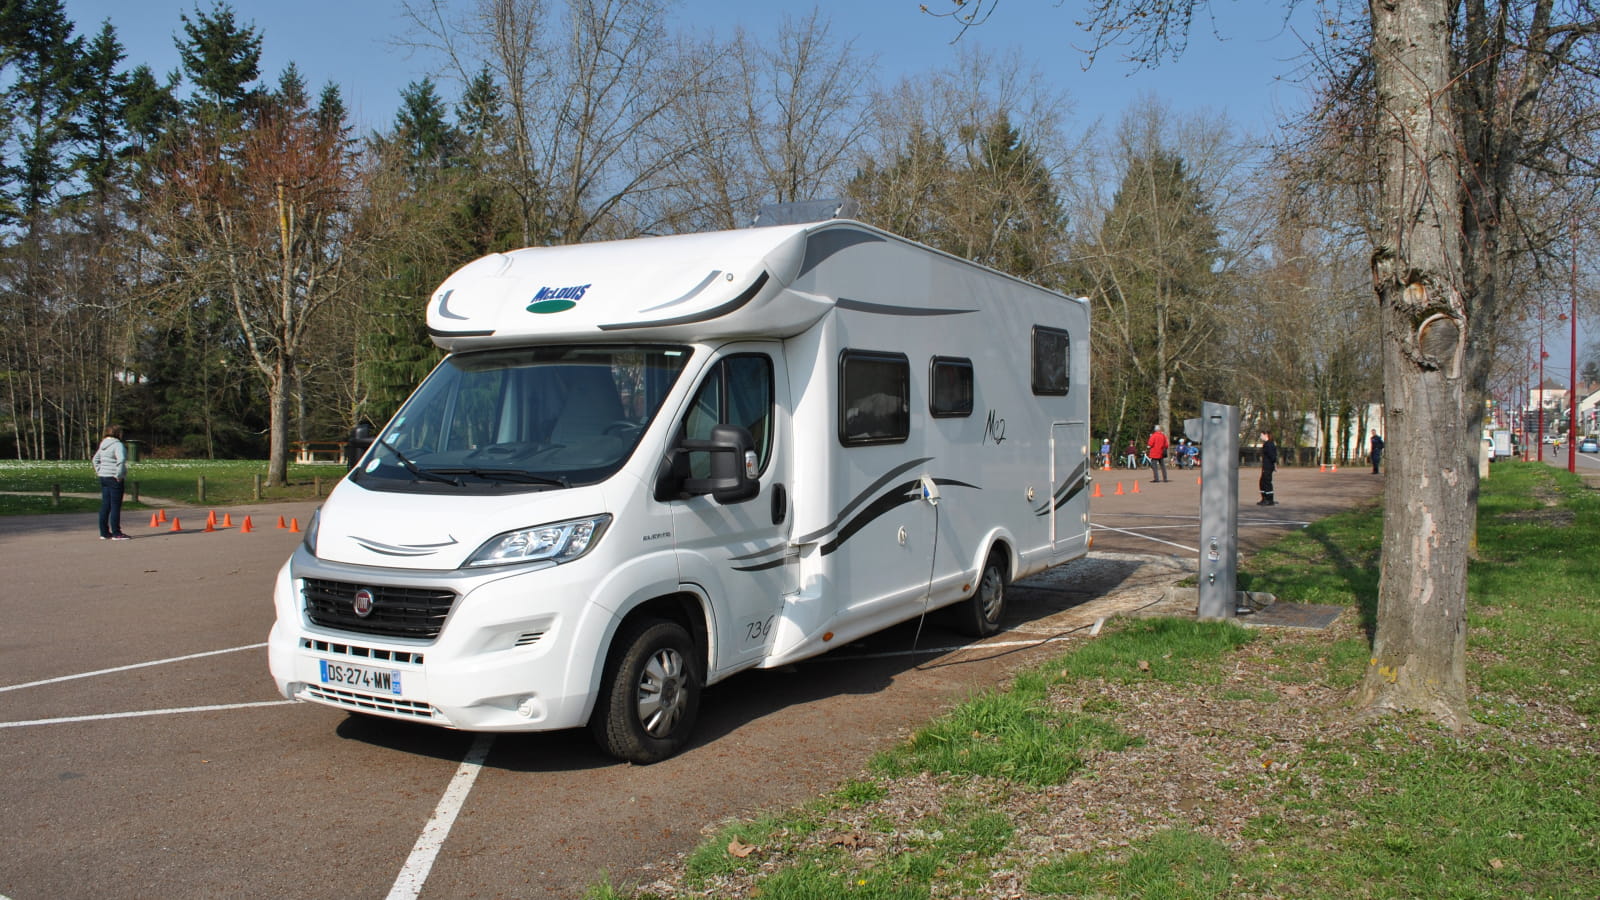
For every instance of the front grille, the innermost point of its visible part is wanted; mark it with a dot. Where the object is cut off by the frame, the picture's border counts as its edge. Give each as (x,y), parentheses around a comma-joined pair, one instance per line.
(396,611)
(368,703)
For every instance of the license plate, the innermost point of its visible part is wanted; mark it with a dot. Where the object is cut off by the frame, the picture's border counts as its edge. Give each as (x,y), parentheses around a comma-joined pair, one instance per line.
(382,681)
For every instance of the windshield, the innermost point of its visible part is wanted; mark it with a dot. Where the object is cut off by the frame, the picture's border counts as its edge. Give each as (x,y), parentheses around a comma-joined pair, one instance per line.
(529,419)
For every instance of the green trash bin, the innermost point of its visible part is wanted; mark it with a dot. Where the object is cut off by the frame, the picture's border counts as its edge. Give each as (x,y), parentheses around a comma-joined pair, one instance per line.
(133,450)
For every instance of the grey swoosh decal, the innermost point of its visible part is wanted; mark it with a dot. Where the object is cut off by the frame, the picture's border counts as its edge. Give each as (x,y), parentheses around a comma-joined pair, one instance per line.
(444,309)
(704,283)
(862,498)
(1070,488)
(746,296)
(886,309)
(402,549)
(825,243)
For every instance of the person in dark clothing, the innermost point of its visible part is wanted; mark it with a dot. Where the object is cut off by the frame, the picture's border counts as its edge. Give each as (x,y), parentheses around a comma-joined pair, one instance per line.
(1376,451)
(1269,464)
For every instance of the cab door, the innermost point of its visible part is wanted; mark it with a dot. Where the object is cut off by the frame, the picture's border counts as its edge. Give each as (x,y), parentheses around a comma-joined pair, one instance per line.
(738,554)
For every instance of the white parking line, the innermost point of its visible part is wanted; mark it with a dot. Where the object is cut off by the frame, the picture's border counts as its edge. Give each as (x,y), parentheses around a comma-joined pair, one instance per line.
(145,712)
(415,872)
(156,662)
(1147,537)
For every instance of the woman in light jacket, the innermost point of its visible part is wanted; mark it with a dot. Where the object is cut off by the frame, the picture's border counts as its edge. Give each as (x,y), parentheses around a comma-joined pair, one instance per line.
(111,464)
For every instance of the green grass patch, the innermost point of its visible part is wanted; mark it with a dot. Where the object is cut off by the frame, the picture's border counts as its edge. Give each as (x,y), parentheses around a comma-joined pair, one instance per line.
(1020,734)
(1176,864)
(227,482)
(1425,814)
(1167,650)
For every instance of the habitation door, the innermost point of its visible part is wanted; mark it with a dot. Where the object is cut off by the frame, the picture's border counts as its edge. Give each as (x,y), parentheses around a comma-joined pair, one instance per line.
(1069,475)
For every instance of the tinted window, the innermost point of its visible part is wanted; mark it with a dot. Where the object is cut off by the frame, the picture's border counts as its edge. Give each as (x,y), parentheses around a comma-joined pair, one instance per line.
(737,391)
(874,398)
(950,391)
(1052,358)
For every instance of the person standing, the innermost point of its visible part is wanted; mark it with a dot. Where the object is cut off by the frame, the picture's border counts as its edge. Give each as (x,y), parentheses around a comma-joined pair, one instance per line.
(1156,448)
(1376,451)
(1105,452)
(111,465)
(1269,464)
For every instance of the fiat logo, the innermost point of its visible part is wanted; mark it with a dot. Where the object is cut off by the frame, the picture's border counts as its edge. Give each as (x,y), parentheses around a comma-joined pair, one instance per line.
(363,603)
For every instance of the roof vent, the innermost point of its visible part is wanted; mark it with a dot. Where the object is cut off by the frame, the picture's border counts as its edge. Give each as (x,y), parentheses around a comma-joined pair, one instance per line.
(803,212)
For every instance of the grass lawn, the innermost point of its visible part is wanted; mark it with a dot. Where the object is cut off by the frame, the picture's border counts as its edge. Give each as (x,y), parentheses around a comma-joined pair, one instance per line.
(1177,759)
(226,482)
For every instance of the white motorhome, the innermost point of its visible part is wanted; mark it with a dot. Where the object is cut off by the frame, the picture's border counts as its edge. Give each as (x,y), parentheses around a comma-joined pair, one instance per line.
(649,464)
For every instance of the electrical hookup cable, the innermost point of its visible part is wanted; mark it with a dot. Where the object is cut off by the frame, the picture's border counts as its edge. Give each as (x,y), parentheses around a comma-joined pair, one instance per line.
(927,593)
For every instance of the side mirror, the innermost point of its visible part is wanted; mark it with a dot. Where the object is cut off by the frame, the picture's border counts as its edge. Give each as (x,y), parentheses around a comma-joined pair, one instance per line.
(734,467)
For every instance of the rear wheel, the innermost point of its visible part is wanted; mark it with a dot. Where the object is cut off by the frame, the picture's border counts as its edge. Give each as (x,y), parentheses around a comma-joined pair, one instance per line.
(980,614)
(650,695)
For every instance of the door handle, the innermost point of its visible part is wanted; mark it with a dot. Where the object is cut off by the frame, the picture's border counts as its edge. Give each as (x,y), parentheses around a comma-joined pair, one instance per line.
(780,504)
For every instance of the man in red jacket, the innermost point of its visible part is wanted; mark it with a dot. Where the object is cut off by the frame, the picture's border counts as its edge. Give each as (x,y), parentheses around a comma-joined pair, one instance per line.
(1157,449)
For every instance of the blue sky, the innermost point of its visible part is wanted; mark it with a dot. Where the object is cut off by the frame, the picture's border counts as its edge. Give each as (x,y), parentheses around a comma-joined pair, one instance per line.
(353,43)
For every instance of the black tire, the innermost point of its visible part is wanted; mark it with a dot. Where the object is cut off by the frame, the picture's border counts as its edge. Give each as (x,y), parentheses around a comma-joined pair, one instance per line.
(981,614)
(650,694)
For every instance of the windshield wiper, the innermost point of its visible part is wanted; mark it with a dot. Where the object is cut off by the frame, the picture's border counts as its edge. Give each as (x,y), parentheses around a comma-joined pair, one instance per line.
(416,470)
(517,475)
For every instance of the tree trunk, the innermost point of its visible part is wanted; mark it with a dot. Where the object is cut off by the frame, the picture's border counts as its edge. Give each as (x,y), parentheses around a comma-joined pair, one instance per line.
(1418,660)
(278,397)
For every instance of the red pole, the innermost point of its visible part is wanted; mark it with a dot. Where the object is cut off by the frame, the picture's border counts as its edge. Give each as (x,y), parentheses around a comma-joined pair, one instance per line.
(1572,375)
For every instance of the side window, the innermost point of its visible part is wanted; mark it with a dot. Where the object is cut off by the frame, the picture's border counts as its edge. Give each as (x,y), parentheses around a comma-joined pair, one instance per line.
(1052,358)
(737,391)
(874,398)
(950,391)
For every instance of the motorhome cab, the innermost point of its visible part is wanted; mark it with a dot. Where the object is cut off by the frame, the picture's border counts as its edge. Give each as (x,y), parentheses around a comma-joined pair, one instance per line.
(649,464)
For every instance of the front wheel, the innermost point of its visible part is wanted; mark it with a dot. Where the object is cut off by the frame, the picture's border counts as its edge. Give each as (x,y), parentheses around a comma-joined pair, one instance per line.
(650,695)
(980,614)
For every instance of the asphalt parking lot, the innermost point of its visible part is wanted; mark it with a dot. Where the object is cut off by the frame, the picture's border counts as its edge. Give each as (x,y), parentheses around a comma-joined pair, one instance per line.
(146,753)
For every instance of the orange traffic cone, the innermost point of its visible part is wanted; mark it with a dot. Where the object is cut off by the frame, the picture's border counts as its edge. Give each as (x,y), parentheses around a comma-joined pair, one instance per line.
(1097,490)
(227,520)
(1333,468)
(1322,467)
(211,520)
(280,522)
(210,526)
(1197,479)
(177,525)
(1136,487)
(247,528)
(1119,489)
(155,520)
(161,516)
(294,526)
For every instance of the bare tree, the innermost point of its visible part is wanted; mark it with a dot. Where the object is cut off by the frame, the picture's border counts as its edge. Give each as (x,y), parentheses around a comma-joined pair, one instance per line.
(263,228)
(590,139)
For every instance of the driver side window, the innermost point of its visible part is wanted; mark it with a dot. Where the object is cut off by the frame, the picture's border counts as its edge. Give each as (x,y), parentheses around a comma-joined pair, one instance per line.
(737,391)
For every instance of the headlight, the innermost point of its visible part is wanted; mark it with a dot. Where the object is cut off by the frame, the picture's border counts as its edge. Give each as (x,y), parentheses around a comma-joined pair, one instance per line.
(558,542)
(310,539)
